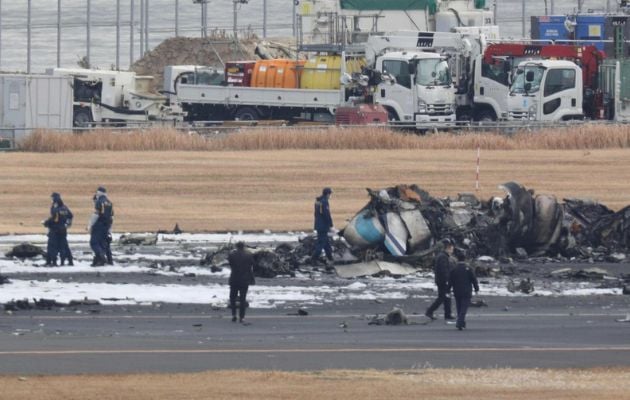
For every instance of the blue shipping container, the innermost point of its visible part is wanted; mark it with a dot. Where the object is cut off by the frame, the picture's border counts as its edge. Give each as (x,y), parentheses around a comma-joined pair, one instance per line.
(591,27)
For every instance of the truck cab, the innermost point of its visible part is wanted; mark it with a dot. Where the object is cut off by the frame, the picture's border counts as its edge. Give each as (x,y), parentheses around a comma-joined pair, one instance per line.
(546,90)
(422,92)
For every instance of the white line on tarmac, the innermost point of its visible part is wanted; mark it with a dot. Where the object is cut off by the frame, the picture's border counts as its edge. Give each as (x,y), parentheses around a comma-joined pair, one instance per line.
(346,350)
(310,316)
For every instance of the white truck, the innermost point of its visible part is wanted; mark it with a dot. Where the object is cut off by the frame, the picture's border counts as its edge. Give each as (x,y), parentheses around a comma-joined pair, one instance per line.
(476,95)
(203,101)
(549,90)
(116,97)
(423,91)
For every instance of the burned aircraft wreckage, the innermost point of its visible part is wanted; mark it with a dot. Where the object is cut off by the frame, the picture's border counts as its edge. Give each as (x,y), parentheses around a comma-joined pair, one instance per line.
(406,220)
(400,226)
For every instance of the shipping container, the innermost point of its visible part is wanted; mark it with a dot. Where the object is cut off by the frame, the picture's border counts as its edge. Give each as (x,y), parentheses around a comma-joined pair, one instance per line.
(277,73)
(549,27)
(324,71)
(595,29)
(591,27)
(30,102)
(239,73)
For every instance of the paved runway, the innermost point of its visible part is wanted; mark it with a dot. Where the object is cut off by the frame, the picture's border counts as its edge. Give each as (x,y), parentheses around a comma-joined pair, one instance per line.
(538,333)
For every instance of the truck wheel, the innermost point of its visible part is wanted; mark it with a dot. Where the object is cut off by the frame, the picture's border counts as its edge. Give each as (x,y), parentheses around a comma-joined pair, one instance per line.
(247,114)
(82,118)
(486,116)
(392,117)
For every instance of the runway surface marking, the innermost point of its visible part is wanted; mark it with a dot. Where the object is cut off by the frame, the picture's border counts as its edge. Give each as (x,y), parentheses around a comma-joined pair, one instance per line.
(311,316)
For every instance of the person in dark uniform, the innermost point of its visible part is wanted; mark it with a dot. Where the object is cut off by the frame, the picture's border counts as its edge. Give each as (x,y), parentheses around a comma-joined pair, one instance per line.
(442,266)
(108,250)
(462,280)
(58,223)
(100,226)
(323,225)
(242,275)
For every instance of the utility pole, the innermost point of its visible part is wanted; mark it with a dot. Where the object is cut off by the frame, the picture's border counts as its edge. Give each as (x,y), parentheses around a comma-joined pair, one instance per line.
(131,28)
(146,27)
(176,18)
(523,18)
(236,3)
(264,19)
(0,33)
(88,31)
(118,34)
(141,28)
(58,33)
(204,16)
(294,16)
(28,37)
(579,6)
(553,8)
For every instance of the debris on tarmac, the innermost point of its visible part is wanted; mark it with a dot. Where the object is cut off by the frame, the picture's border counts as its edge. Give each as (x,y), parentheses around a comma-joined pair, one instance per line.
(627,319)
(25,250)
(84,302)
(138,240)
(525,286)
(395,317)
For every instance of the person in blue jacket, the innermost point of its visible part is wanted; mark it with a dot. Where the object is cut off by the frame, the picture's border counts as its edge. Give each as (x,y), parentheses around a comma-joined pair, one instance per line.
(100,227)
(323,225)
(58,223)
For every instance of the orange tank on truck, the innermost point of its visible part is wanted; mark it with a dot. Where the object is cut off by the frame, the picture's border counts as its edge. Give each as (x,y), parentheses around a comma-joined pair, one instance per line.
(277,73)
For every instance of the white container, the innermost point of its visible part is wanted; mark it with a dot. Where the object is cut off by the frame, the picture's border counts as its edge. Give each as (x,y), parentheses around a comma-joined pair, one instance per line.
(30,102)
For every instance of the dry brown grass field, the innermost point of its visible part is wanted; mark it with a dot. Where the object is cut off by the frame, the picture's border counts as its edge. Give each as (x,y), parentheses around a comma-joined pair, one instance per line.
(252,190)
(349,385)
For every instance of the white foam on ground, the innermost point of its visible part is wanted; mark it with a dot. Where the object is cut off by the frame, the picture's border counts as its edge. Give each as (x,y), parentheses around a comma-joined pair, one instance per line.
(419,285)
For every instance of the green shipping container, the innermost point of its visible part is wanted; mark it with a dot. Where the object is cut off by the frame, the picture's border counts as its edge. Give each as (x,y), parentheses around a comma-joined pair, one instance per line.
(378,5)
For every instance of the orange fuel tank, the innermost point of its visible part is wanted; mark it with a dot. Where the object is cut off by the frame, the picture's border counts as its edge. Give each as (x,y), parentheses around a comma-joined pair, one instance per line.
(277,73)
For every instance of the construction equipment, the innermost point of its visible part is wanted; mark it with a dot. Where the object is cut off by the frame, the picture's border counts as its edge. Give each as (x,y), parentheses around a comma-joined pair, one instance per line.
(116,97)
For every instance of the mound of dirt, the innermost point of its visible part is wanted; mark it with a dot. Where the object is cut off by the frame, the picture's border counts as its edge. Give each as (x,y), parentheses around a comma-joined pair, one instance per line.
(212,52)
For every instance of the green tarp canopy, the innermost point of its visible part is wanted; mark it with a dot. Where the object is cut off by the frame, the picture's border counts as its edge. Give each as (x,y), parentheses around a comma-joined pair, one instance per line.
(378,5)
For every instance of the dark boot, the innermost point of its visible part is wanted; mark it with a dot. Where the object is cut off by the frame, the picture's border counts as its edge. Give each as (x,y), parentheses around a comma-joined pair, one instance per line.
(97,261)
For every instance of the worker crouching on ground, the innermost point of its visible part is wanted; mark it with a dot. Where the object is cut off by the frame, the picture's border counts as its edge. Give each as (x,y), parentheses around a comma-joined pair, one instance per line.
(58,223)
(442,266)
(100,227)
(323,226)
(242,275)
(462,280)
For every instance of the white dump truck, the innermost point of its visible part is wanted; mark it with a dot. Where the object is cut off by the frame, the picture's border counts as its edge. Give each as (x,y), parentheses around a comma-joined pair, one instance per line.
(114,97)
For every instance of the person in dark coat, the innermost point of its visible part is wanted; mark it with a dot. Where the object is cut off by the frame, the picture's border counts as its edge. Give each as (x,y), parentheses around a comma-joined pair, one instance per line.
(462,280)
(58,223)
(323,225)
(442,266)
(242,275)
(100,226)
